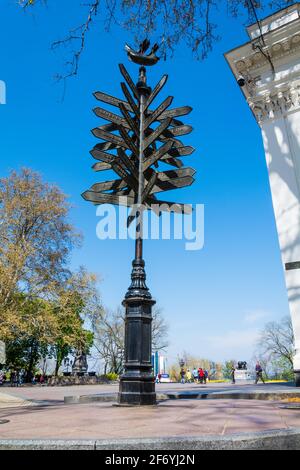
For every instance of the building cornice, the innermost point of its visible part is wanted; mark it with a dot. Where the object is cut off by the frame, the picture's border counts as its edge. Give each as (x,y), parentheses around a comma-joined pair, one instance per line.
(270,66)
(255,59)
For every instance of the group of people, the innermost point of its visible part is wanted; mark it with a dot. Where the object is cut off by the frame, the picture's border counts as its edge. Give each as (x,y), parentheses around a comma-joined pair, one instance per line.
(199,376)
(15,378)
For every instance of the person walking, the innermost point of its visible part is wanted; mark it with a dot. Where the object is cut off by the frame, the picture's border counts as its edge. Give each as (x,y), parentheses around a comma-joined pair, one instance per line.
(205,375)
(17,379)
(195,375)
(258,370)
(12,378)
(188,376)
(232,373)
(182,375)
(201,375)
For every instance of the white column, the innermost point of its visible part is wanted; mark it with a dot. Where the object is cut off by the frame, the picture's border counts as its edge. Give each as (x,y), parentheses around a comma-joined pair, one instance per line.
(283,159)
(270,67)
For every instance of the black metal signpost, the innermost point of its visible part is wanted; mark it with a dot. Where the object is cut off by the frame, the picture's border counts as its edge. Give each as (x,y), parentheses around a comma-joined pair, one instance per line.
(136,141)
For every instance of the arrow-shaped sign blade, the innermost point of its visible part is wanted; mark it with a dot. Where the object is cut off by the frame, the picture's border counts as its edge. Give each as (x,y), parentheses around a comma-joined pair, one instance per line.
(115,185)
(129,81)
(109,127)
(114,118)
(102,156)
(155,114)
(112,161)
(105,98)
(173,183)
(129,142)
(164,138)
(115,139)
(128,163)
(162,206)
(167,175)
(98,198)
(181,151)
(101,166)
(156,133)
(129,121)
(156,90)
(173,162)
(177,131)
(130,100)
(164,149)
(182,111)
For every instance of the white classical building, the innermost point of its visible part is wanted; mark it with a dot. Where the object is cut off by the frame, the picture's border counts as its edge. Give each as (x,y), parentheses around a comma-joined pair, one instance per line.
(267,68)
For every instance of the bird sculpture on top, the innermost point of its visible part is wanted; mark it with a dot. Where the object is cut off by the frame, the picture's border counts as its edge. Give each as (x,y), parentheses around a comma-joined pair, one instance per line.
(139,57)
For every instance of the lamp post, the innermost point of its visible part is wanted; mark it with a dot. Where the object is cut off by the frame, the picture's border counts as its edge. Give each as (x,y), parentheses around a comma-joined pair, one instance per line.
(135,154)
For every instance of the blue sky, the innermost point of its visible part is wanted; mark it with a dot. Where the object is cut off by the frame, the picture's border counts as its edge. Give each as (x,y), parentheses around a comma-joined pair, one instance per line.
(216,299)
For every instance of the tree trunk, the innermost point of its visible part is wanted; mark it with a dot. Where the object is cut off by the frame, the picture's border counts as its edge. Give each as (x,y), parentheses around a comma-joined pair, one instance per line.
(33,351)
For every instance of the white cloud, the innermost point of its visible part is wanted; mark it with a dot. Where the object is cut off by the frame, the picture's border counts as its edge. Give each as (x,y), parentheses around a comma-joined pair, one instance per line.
(255,316)
(234,339)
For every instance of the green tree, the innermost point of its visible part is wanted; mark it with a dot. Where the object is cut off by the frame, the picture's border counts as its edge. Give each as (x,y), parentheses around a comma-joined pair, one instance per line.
(35,242)
(36,329)
(227,368)
(76,301)
(43,304)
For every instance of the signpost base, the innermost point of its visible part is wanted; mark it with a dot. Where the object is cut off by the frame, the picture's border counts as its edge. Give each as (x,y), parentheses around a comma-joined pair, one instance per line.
(137,384)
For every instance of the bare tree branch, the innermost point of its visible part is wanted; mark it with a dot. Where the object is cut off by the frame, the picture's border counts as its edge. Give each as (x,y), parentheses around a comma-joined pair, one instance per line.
(277,341)
(171,22)
(77,35)
(109,337)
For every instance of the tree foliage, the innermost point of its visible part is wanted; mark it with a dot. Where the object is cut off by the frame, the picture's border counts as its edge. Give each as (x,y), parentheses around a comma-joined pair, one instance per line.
(227,368)
(43,303)
(35,238)
(77,300)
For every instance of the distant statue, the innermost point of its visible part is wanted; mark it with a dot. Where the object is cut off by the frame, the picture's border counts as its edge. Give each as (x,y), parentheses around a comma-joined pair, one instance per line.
(242,365)
(80,364)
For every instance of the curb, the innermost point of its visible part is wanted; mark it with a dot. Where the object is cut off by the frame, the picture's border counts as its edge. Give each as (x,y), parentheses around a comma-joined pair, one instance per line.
(112,397)
(267,440)
(77,399)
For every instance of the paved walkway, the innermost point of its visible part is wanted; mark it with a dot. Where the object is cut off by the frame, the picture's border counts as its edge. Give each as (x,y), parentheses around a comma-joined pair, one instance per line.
(50,418)
(11,401)
(48,395)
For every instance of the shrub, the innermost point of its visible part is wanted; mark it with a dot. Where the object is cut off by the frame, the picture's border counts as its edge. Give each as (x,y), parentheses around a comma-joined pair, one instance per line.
(112,376)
